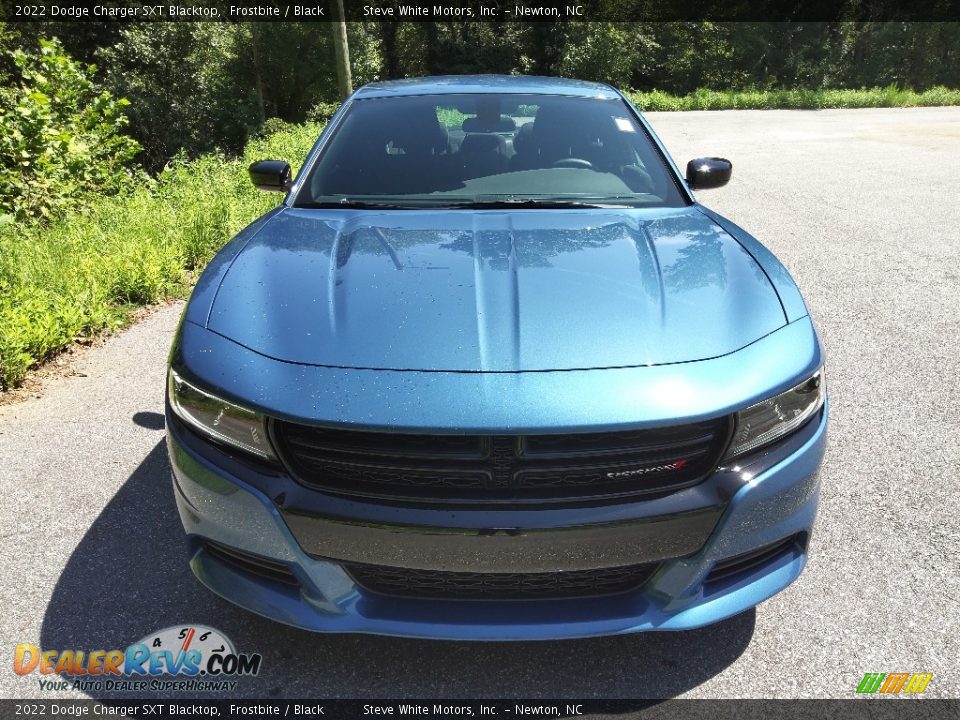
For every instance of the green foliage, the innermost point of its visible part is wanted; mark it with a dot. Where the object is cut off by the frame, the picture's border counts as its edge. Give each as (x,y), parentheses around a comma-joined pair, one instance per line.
(704,99)
(322,111)
(273,125)
(365,57)
(79,274)
(184,91)
(607,52)
(62,138)
(291,144)
(206,86)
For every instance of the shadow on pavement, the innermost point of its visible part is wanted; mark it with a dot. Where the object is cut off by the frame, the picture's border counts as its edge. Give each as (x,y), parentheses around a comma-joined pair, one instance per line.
(128,577)
(149,420)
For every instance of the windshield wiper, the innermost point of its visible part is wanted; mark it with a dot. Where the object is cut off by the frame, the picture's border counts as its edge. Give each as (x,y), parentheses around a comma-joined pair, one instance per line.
(465,204)
(511,203)
(347,204)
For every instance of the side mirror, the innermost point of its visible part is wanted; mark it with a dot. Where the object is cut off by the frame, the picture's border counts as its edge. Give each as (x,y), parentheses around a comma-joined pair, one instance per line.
(710,172)
(270,175)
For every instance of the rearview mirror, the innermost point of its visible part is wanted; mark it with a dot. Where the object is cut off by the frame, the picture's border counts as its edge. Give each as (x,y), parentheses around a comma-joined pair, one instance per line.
(270,175)
(709,172)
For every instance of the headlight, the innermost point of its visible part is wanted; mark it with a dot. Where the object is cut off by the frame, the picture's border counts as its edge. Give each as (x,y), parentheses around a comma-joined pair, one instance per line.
(772,419)
(219,419)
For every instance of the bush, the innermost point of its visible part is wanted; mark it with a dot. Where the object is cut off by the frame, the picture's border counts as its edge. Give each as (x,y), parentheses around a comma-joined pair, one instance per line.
(703,99)
(81,273)
(322,112)
(61,139)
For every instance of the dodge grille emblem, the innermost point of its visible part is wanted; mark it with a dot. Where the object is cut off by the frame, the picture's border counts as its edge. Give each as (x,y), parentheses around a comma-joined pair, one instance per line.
(635,472)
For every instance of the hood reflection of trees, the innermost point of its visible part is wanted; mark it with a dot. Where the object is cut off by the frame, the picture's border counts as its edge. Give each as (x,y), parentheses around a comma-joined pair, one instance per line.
(696,249)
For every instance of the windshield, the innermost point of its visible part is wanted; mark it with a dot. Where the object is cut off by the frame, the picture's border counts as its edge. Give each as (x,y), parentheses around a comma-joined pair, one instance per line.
(488,150)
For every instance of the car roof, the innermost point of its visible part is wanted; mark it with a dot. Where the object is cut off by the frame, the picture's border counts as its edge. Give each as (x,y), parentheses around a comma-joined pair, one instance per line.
(518,84)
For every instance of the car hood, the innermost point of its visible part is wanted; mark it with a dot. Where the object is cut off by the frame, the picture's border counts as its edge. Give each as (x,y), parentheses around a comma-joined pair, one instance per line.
(491,291)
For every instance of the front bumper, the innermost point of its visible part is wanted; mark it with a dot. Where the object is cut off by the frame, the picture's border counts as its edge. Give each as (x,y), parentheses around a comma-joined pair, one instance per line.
(773,496)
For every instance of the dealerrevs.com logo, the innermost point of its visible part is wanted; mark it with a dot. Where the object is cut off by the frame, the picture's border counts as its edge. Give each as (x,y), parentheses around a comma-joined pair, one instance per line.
(184,657)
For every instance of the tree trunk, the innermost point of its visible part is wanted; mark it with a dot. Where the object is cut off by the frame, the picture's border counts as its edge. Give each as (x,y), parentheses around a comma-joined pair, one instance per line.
(258,77)
(430,47)
(342,50)
(388,43)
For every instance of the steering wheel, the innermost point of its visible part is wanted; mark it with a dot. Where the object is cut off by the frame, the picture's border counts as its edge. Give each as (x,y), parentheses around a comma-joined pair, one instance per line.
(573,163)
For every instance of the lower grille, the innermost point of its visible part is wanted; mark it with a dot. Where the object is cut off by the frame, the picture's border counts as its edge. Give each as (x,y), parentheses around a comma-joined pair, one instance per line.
(270,569)
(447,585)
(740,565)
(501,468)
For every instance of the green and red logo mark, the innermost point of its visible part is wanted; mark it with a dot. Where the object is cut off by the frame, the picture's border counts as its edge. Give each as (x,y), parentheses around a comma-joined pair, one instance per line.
(894,683)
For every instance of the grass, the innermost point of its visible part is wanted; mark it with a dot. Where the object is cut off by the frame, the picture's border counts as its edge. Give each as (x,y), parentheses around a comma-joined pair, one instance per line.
(85,272)
(702,99)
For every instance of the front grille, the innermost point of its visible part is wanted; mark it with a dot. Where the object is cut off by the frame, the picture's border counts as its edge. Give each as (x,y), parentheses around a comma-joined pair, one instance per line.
(447,585)
(501,468)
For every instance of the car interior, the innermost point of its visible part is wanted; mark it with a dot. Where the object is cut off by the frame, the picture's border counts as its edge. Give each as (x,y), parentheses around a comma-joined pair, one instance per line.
(440,144)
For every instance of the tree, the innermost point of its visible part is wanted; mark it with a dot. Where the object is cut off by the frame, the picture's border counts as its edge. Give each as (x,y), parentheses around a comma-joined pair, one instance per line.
(605,52)
(183,86)
(342,51)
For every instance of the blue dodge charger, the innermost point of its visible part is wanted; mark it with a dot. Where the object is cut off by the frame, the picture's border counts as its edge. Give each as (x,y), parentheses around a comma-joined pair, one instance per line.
(491,371)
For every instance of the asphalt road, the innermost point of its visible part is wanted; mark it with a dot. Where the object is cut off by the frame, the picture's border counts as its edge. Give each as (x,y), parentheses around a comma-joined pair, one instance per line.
(862,206)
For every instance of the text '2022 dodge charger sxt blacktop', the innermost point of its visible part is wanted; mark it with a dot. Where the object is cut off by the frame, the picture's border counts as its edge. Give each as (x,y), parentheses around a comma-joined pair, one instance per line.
(490,371)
